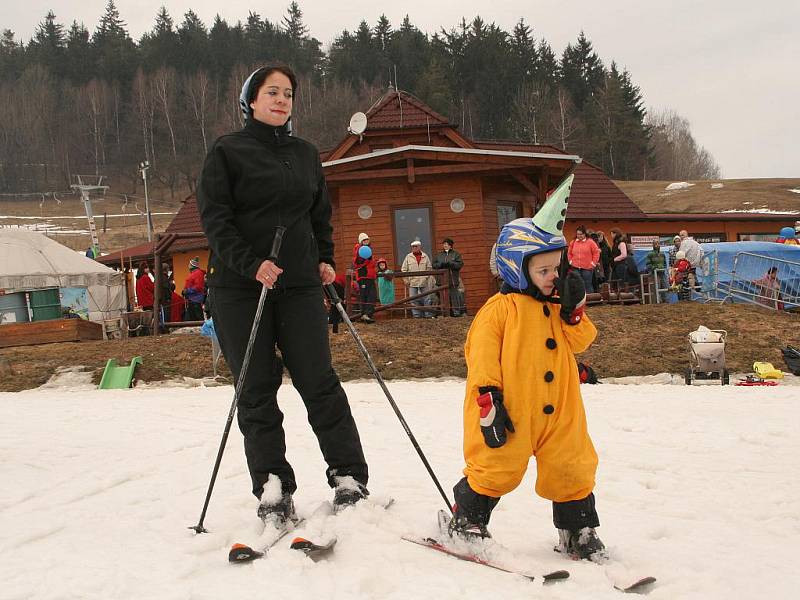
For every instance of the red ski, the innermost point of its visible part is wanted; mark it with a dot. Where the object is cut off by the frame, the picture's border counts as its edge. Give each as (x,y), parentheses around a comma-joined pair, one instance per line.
(474,558)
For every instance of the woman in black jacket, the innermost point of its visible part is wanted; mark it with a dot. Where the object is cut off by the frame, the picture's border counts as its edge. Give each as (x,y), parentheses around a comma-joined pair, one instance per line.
(253,181)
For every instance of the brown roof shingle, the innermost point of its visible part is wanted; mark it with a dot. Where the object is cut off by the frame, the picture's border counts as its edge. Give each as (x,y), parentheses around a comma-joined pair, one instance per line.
(187,221)
(399,109)
(594,195)
(134,254)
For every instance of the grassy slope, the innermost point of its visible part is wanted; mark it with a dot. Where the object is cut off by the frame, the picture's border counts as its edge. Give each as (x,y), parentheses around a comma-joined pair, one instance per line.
(740,194)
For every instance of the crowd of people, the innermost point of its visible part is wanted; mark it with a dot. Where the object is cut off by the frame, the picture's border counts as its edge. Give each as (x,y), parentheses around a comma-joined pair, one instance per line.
(189,305)
(373,282)
(597,261)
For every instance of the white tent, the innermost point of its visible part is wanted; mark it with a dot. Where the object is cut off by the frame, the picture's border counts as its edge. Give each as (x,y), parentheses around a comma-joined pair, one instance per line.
(31,261)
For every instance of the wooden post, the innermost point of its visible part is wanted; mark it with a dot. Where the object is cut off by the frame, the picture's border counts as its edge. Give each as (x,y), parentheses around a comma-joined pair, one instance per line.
(157,290)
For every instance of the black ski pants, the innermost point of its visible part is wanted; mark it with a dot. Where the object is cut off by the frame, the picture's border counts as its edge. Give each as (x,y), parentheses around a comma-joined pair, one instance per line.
(295,321)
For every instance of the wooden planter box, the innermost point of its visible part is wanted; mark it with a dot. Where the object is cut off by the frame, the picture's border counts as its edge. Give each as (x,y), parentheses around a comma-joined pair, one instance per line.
(48,332)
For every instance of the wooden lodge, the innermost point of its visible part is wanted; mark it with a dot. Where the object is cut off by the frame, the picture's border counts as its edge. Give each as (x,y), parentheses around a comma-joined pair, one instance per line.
(411,174)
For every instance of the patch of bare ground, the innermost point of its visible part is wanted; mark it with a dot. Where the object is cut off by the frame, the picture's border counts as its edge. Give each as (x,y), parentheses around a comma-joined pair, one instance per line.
(632,340)
(734,194)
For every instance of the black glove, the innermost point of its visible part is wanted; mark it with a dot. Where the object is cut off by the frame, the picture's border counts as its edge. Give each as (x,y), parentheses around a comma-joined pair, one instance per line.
(572,293)
(494,417)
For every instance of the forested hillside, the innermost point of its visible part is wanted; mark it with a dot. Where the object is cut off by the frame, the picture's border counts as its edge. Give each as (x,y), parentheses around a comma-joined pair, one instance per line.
(99,102)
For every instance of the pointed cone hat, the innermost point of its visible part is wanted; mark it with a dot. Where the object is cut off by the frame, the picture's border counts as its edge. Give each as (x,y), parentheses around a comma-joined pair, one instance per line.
(551,216)
(525,237)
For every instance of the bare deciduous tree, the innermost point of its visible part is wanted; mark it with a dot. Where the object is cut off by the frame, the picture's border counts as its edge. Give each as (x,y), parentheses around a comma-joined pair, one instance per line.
(163,83)
(565,122)
(676,153)
(197,86)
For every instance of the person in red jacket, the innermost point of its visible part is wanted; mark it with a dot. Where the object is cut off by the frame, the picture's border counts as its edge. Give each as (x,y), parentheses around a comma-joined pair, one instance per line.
(584,255)
(194,290)
(145,289)
(366,277)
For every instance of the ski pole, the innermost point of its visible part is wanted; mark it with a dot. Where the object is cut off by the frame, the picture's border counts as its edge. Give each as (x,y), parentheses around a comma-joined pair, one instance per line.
(334,298)
(273,256)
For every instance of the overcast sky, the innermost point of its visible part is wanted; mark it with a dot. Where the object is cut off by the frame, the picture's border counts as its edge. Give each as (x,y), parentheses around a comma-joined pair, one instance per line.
(729,66)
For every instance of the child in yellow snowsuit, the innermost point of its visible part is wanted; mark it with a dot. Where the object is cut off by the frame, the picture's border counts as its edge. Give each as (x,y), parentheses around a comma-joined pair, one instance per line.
(523,391)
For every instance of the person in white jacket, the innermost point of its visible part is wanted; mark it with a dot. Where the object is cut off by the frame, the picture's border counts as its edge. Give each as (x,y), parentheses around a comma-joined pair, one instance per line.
(417,260)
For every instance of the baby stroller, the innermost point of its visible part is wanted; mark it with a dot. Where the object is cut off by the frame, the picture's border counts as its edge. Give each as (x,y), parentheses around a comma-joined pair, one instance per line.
(707,356)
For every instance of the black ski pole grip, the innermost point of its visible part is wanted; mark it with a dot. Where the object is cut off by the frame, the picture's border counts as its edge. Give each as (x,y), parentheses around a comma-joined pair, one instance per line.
(331,291)
(276,243)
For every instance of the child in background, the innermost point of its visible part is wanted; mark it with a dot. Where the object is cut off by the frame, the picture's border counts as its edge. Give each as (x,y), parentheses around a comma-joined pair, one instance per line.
(523,390)
(365,275)
(656,262)
(679,276)
(385,282)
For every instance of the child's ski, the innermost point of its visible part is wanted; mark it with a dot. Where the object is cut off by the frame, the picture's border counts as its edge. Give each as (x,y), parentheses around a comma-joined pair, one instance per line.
(641,586)
(474,558)
(314,551)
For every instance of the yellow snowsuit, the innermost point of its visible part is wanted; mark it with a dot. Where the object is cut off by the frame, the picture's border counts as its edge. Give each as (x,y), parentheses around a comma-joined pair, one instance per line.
(521,346)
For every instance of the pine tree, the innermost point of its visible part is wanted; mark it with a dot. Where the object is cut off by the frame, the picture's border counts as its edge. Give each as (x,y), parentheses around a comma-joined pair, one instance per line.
(433,87)
(194,51)
(302,52)
(546,71)
(79,57)
(115,52)
(523,47)
(408,56)
(293,24)
(383,33)
(581,71)
(160,46)
(260,40)
(227,48)
(48,44)
(11,56)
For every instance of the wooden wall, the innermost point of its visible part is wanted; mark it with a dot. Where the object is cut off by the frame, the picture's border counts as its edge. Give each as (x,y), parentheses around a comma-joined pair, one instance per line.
(468,228)
(48,332)
(180,266)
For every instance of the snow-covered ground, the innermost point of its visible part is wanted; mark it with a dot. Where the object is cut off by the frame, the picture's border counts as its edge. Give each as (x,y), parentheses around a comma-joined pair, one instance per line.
(697,486)
(761,211)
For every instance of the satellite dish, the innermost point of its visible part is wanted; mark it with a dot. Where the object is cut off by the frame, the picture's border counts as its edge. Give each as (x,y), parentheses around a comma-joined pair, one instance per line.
(358,123)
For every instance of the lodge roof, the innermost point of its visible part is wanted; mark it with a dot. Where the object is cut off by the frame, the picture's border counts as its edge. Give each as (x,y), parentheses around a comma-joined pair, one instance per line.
(449,150)
(187,221)
(593,196)
(397,109)
(134,254)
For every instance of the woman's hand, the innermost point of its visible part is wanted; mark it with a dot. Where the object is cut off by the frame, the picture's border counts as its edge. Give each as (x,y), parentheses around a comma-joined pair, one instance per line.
(268,273)
(326,273)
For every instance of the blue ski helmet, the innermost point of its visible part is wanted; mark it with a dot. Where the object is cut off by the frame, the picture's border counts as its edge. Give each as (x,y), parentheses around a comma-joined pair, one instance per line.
(786,233)
(365,252)
(525,237)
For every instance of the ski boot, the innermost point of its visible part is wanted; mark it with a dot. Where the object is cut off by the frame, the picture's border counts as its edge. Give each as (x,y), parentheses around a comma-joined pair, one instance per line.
(471,513)
(582,544)
(468,529)
(279,513)
(575,521)
(347,492)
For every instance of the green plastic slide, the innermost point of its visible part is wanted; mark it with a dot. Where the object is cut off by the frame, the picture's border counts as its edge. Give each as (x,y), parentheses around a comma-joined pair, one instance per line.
(118,377)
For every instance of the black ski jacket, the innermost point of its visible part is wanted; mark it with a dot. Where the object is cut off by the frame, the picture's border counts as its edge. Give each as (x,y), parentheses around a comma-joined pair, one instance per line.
(252,181)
